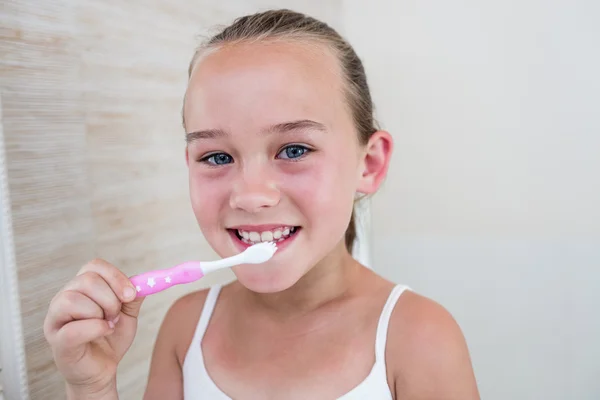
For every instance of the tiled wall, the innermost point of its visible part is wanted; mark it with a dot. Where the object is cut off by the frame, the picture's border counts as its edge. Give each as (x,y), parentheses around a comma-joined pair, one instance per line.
(91,97)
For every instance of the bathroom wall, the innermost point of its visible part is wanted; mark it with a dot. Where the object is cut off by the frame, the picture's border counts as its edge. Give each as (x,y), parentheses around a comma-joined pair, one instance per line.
(90,98)
(491,206)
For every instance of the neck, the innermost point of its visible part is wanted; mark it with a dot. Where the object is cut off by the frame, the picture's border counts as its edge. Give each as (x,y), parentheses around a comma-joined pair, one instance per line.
(332,278)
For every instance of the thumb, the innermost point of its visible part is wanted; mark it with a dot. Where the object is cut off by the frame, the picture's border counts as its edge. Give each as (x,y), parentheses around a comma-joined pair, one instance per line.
(132,308)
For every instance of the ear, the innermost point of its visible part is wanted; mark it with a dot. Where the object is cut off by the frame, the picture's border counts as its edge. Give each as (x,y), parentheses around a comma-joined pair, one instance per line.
(375,161)
(187,157)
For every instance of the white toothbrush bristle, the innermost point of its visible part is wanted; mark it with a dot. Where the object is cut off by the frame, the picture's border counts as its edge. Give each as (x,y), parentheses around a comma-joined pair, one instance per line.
(260,252)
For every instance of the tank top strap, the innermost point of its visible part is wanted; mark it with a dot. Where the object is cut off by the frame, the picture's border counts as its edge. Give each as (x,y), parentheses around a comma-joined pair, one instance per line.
(384,321)
(207,310)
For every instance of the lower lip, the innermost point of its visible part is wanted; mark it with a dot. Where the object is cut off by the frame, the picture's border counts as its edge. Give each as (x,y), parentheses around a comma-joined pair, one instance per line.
(280,245)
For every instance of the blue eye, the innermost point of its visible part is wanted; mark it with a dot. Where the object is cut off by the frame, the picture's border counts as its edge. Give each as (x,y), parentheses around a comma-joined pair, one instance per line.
(294,151)
(218,159)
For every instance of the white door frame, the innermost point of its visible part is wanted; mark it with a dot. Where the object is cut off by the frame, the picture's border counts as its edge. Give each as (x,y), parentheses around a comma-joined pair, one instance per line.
(362,245)
(13,371)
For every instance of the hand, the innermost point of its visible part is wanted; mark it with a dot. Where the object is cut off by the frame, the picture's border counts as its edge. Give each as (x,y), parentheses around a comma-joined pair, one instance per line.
(90,325)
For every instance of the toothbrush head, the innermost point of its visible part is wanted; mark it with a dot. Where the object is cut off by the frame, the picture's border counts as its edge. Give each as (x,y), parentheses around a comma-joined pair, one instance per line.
(259,253)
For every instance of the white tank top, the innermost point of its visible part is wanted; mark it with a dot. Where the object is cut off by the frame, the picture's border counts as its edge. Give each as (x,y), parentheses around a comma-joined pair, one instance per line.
(197,384)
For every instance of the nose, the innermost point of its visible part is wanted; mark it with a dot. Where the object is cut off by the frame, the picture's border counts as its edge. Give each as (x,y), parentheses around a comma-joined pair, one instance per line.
(254,196)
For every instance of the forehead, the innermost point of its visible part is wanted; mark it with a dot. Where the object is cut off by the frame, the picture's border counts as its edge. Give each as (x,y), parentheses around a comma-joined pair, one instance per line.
(250,84)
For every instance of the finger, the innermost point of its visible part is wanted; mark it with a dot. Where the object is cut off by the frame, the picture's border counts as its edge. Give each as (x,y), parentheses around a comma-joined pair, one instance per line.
(133,307)
(70,306)
(96,288)
(116,279)
(72,336)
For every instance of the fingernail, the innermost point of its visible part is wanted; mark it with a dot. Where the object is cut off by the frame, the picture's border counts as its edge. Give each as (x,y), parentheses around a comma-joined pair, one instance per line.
(111,325)
(116,319)
(128,292)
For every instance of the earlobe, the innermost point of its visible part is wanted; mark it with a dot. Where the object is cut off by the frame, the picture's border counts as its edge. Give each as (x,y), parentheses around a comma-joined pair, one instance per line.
(375,162)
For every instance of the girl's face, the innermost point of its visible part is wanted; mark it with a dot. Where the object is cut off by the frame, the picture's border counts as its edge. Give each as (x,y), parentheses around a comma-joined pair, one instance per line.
(273,155)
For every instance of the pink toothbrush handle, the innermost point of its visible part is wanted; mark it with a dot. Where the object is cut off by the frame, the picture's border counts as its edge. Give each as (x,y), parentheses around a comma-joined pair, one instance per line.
(156,281)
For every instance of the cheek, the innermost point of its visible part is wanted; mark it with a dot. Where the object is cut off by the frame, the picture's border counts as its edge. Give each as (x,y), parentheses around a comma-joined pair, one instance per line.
(207,196)
(325,192)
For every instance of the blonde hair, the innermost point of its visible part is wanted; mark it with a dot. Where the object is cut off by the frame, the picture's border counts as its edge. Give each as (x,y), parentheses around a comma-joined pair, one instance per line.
(290,25)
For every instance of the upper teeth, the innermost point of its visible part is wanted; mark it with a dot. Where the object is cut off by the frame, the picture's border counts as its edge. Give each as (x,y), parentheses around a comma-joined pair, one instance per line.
(276,235)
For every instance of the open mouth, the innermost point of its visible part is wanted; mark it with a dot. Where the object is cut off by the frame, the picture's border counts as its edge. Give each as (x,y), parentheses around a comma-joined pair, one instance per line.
(277,235)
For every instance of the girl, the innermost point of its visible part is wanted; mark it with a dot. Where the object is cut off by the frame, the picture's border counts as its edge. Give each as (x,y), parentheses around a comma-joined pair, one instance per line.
(280,140)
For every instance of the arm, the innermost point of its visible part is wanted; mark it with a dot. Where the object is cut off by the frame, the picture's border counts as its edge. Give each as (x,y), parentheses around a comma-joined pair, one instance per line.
(428,353)
(165,380)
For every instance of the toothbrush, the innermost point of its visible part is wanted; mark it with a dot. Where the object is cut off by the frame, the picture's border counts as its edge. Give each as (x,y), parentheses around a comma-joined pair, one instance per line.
(158,280)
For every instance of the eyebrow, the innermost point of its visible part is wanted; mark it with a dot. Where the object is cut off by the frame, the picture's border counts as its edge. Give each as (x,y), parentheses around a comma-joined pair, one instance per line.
(284,127)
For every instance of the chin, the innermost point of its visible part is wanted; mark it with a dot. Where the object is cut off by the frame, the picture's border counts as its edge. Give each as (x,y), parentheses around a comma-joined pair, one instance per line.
(270,277)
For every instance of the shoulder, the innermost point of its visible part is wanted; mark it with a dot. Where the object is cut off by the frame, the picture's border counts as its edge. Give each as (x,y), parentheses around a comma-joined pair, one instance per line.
(188,302)
(180,321)
(175,335)
(427,352)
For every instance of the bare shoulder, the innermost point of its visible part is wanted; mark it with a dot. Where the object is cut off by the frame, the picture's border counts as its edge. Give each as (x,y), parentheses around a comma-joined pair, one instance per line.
(181,320)
(165,379)
(427,352)
(193,301)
